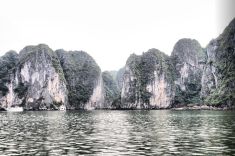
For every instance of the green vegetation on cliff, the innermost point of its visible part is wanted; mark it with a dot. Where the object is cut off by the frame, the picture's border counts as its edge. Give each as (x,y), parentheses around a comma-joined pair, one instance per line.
(187,56)
(7,63)
(41,53)
(143,69)
(81,73)
(21,90)
(191,75)
(119,77)
(112,93)
(223,62)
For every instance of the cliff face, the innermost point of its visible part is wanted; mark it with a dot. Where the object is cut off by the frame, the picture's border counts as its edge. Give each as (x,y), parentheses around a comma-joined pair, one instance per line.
(205,76)
(7,65)
(39,78)
(218,78)
(111,90)
(36,80)
(148,81)
(188,58)
(119,77)
(84,79)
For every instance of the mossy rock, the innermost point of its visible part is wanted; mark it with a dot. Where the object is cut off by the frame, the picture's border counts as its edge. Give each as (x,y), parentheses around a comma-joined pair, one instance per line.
(81,73)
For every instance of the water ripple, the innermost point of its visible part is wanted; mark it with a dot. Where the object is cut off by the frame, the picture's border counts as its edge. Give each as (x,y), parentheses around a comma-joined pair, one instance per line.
(162,132)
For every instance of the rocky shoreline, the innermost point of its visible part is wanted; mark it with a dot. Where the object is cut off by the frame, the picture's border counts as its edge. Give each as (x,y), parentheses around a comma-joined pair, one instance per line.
(202,107)
(179,108)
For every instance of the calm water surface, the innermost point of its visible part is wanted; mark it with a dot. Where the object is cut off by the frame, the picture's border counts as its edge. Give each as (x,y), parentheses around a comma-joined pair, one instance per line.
(118,133)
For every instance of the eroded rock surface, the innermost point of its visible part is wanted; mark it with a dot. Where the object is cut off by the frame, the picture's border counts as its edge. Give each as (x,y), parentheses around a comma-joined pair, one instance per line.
(148,81)
(36,81)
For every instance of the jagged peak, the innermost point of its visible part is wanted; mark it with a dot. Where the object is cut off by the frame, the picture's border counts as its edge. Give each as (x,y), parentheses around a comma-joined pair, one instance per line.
(10,56)
(153,50)
(34,48)
(77,58)
(183,44)
(188,50)
(156,52)
(60,50)
(134,55)
(133,58)
(74,52)
(228,32)
(10,53)
(187,40)
(41,46)
(232,23)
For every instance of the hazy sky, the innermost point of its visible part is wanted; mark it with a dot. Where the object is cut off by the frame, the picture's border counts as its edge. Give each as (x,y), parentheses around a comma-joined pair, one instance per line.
(110,30)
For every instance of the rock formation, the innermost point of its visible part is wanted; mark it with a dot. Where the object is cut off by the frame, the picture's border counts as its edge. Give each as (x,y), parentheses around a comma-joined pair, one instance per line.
(188,58)
(218,78)
(200,76)
(119,77)
(148,81)
(84,79)
(38,78)
(112,93)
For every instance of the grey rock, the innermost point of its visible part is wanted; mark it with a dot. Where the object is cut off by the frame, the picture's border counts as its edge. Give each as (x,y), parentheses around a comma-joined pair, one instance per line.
(219,73)
(39,78)
(84,79)
(36,81)
(148,81)
(112,92)
(188,58)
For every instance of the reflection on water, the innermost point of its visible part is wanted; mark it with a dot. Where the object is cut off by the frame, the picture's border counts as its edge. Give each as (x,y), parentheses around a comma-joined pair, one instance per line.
(118,133)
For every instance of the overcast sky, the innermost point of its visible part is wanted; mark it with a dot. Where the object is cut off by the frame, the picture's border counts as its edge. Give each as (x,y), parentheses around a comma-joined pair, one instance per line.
(110,30)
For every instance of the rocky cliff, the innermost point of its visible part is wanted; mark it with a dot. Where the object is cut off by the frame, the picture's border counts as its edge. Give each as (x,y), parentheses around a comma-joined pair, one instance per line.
(188,59)
(112,92)
(7,64)
(119,77)
(39,78)
(198,76)
(35,80)
(148,81)
(84,79)
(218,78)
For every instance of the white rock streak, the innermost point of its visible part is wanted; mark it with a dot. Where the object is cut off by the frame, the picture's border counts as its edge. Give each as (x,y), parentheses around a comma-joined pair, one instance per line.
(97,97)
(158,88)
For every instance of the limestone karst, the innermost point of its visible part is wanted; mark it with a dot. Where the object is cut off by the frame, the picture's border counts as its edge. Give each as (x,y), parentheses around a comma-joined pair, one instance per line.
(39,78)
